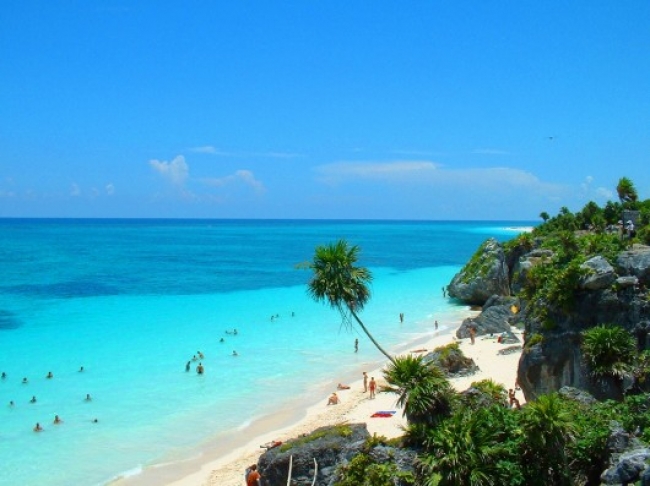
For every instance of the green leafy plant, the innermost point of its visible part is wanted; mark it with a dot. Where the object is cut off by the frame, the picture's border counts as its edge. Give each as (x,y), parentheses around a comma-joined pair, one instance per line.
(608,350)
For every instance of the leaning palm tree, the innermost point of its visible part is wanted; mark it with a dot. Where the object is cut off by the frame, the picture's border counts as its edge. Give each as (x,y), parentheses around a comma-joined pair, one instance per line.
(421,387)
(338,282)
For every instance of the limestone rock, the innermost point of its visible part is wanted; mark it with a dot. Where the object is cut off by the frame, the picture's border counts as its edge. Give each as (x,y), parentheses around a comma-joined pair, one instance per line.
(493,320)
(635,262)
(452,361)
(485,275)
(328,445)
(600,274)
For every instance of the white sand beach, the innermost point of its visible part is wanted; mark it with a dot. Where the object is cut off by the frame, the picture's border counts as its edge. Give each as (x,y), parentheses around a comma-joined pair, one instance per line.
(225,467)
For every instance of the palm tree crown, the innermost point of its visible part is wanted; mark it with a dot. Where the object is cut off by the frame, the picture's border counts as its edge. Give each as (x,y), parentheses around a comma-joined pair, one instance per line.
(421,387)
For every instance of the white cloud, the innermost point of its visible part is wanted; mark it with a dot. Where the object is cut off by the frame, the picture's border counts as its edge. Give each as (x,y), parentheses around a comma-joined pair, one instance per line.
(241,176)
(418,173)
(176,171)
(205,149)
(74,190)
(210,149)
(341,171)
(604,193)
(110,189)
(489,151)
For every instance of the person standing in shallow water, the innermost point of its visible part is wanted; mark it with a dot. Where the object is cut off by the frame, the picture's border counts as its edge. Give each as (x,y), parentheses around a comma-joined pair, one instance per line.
(356,345)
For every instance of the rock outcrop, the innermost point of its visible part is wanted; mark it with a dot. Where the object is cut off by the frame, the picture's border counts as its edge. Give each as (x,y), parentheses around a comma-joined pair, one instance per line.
(330,446)
(484,276)
(606,294)
(627,459)
(451,360)
(496,317)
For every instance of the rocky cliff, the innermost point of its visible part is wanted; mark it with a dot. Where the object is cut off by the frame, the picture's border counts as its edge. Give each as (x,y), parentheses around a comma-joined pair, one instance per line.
(608,291)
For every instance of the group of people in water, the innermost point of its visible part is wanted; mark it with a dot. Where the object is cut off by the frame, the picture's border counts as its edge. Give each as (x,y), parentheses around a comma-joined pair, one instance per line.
(49,376)
(199,356)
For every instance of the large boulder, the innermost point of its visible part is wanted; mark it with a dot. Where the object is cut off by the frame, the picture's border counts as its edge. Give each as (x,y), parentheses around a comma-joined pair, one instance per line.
(635,262)
(599,274)
(627,458)
(452,361)
(493,320)
(485,275)
(328,445)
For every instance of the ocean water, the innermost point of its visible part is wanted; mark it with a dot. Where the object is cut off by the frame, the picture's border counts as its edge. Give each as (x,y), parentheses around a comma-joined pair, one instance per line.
(132,301)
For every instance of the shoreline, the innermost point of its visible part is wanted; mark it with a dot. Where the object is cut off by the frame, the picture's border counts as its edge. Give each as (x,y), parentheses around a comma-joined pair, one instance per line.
(222,460)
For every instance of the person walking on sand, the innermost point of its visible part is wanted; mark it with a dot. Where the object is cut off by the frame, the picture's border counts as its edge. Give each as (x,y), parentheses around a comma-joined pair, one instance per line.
(472,334)
(253,477)
(365,382)
(372,387)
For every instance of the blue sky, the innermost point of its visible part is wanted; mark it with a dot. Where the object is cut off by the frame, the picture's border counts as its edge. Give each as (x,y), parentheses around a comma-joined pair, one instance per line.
(308,109)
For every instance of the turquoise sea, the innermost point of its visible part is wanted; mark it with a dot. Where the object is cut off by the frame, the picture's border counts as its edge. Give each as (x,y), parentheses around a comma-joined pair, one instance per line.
(133,300)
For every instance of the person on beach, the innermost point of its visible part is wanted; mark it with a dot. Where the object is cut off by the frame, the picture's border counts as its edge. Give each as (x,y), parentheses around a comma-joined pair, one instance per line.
(38,428)
(4,375)
(365,382)
(372,387)
(253,477)
(333,400)
(88,397)
(25,381)
(511,396)
(187,366)
(436,324)
(222,340)
(200,355)
(57,420)
(81,370)
(401,317)
(472,334)
(271,445)
(341,386)
(11,403)
(356,345)
(234,353)
(199,369)
(444,292)
(33,400)
(49,375)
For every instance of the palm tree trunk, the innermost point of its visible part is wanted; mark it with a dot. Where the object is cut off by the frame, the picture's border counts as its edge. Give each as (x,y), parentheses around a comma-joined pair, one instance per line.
(382,350)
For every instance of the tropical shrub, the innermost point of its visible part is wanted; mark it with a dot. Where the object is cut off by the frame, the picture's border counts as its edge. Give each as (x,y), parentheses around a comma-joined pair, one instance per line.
(608,350)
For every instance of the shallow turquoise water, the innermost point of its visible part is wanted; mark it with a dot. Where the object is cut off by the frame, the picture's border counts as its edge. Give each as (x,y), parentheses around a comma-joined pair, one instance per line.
(132,301)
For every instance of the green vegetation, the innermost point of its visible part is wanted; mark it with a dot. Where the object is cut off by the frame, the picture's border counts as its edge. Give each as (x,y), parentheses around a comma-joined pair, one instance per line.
(608,350)
(478,265)
(421,388)
(336,431)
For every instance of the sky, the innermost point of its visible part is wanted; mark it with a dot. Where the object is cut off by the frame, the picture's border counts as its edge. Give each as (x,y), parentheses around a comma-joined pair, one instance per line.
(422,110)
